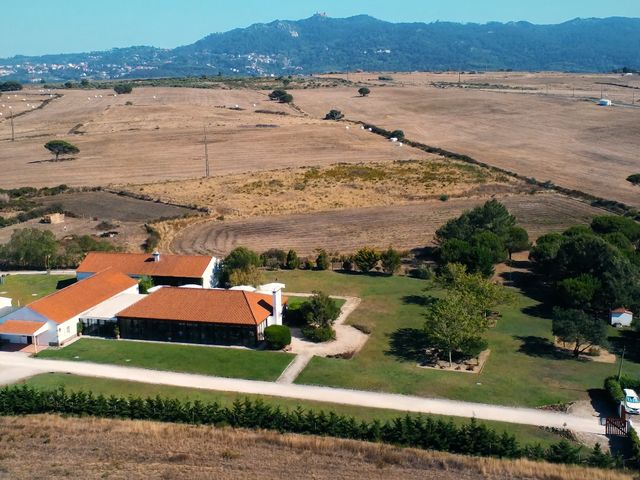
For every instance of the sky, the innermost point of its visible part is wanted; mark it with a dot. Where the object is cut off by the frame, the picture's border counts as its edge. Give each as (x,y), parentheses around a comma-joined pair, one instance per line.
(37,27)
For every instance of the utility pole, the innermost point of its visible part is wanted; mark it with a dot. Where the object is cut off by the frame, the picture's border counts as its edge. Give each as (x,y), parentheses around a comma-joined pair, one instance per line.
(206,153)
(624,348)
(13,137)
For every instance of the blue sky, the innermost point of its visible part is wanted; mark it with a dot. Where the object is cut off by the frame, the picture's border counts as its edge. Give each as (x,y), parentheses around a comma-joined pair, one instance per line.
(44,26)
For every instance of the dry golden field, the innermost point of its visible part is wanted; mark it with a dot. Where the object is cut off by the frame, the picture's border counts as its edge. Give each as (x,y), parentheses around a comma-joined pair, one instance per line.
(553,136)
(160,136)
(52,447)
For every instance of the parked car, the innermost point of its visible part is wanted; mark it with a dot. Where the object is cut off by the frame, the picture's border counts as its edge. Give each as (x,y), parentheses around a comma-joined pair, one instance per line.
(631,401)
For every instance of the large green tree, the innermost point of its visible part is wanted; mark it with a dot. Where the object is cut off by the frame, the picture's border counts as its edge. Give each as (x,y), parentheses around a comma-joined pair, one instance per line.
(240,267)
(30,248)
(578,328)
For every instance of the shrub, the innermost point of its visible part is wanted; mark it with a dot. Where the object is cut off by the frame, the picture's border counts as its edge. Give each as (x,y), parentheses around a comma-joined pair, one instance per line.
(277,336)
(399,134)
(287,98)
(277,94)
(614,389)
(423,273)
(123,88)
(391,261)
(347,265)
(293,261)
(319,334)
(10,86)
(364,91)
(322,261)
(320,310)
(366,258)
(444,198)
(334,115)
(274,258)
(635,179)
(145,284)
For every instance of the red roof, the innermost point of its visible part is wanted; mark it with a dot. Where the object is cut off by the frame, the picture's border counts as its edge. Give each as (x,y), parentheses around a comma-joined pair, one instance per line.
(621,310)
(182,266)
(79,297)
(20,327)
(202,305)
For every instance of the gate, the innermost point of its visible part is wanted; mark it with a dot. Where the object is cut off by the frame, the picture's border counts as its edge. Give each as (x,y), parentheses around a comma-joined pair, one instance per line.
(616,426)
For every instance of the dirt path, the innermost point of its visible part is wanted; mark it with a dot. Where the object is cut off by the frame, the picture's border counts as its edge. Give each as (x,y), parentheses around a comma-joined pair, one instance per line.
(348,339)
(402,403)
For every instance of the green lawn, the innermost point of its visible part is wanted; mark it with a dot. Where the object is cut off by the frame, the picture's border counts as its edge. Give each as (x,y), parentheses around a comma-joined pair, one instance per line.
(24,289)
(223,362)
(521,370)
(524,433)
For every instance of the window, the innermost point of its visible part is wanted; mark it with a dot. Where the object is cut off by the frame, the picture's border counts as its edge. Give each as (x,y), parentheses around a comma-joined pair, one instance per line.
(68,329)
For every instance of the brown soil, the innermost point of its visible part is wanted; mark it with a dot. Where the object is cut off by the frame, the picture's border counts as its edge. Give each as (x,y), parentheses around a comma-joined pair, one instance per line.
(555,136)
(162,138)
(402,226)
(54,447)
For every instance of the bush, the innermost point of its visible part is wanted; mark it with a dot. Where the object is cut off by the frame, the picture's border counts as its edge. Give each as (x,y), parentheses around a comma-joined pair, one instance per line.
(319,334)
(274,259)
(366,258)
(423,273)
(614,390)
(144,284)
(347,265)
(123,88)
(321,310)
(292,261)
(287,98)
(334,115)
(322,261)
(391,261)
(277,336)
(10,86)
(444,198)
(399,134)
(364,91)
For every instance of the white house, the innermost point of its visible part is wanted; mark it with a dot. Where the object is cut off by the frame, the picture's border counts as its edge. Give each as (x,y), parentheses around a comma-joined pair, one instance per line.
(605,102)
(53,320)
(621,317)
(169,270)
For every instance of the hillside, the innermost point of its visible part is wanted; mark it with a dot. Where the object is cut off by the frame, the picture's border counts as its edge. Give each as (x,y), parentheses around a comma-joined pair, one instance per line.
(55,447)
(321,44)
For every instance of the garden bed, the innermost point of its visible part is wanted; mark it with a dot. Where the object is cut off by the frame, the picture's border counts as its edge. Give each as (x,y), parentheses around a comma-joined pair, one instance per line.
(473,365)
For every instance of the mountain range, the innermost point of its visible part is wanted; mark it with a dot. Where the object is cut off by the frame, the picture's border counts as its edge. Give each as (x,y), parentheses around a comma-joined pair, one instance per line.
(323,44)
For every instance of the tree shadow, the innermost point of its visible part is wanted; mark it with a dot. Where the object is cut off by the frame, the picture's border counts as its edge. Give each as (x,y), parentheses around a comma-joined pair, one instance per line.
(407,344)
(65,283)
(541,347)
(421,300)
(627,340)
(53,160)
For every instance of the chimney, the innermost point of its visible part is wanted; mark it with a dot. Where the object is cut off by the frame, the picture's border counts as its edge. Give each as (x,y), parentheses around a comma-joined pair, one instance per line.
(277,307)
(156,256)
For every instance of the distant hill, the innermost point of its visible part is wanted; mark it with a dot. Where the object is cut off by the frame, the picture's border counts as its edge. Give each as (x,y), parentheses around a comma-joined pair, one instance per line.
(323,44)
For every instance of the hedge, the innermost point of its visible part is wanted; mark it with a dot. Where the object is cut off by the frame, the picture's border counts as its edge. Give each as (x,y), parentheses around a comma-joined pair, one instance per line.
(417,431)
(277,336)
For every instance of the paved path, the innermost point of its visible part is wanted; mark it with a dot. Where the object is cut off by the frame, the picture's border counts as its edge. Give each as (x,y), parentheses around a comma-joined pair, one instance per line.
(403,403)
(348,339)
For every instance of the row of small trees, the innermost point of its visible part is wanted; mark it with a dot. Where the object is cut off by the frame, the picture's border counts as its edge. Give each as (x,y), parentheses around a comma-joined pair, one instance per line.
(472,438)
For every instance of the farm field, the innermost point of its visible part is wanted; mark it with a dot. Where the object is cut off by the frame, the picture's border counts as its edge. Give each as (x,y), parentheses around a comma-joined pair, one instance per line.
(161,136)
(569,141)
(136,450)
(392,307)
(402,226)
(222,362)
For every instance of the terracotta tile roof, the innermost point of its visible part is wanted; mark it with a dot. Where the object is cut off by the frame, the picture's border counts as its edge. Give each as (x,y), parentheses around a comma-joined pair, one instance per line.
(621,310)
(20,327)
(189,266)
(231,307)
(64,304)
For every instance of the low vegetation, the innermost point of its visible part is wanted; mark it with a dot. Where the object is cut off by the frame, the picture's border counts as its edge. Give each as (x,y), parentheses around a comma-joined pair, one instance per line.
(277,336)
(61,147)
(319,314)
(410,431)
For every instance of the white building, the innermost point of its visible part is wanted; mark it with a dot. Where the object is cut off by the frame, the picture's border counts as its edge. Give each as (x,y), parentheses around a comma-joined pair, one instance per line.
(621,317)
(605,102)
(53,320)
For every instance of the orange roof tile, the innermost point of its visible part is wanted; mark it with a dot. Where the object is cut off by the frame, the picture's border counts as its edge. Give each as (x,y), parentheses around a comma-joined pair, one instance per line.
(232,307)
(621,310)
(184,266)
(20,327)
(64,304)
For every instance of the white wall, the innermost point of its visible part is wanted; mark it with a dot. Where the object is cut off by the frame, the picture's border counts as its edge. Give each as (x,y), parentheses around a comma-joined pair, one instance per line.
(210,275)
(5,302)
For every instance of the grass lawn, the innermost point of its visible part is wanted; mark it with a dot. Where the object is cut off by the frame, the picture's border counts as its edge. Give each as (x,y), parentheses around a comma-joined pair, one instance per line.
(524,433)
(24,289)
(222,362)
(521,370)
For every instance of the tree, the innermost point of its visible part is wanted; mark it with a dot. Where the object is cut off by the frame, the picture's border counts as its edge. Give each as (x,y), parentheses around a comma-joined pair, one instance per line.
(293,261)
(451,324)
(30,248)
(334,115)
(277,94)
(10,86)
(517,240)
(578,292)
(635,178)
(84,82)
(365,259)
(240,267)
(391,261)
(68,84)
(320,311)
(578,328)
(123,88)
(287,98)
(614,224)
(544,253)
(274,258)
(61,147)
(145,284)
(399,134)
(322,260)
(364,91)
